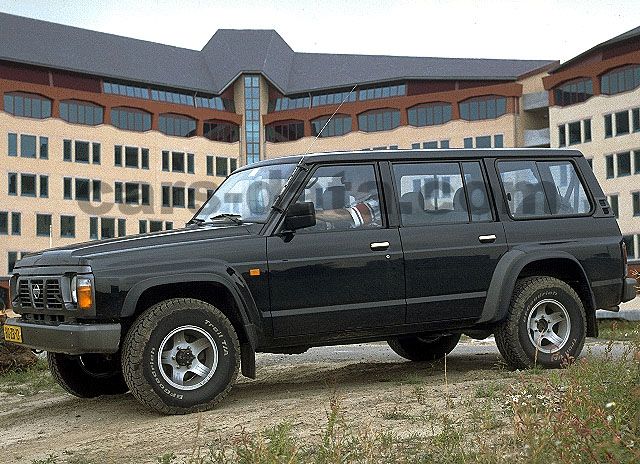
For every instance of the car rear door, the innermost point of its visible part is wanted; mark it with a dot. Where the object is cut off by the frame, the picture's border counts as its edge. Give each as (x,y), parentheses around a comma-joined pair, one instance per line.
(451,240)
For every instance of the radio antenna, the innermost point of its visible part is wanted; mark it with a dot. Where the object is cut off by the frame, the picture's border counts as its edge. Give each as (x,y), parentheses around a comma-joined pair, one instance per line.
(329,120)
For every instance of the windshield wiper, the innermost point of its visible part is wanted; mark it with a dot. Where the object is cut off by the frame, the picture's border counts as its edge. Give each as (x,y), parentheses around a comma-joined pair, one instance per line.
(232,217)
(195,221)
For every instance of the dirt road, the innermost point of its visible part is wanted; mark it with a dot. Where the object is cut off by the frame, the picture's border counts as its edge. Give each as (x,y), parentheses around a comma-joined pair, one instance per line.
(374,386)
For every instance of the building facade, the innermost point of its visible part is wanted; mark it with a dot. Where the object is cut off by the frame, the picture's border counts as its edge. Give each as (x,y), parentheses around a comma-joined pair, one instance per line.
(595,107)
(104,136)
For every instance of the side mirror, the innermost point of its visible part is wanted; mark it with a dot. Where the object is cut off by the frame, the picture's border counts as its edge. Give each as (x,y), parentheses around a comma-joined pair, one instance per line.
(299,216)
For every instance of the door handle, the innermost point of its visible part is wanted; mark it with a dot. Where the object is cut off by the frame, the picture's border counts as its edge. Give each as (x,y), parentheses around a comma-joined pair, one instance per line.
(379,246)
(487,238)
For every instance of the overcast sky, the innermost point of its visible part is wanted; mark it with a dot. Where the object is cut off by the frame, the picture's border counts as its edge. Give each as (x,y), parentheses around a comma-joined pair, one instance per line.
(533,29)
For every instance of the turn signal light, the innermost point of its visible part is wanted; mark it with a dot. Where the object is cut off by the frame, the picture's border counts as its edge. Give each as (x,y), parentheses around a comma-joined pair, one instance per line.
(84,293)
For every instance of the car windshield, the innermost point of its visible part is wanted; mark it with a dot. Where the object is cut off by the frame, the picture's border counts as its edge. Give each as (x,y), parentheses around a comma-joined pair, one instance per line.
(247,195)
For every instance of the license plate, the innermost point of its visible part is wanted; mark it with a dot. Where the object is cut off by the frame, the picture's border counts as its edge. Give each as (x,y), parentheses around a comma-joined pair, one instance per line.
(13,334)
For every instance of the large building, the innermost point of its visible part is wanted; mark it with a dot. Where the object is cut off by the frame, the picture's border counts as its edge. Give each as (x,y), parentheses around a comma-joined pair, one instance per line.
(103,135)
(595,107)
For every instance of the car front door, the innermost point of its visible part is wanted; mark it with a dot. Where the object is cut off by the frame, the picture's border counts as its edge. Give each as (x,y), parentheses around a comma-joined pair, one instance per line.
(346,273)
(450,239)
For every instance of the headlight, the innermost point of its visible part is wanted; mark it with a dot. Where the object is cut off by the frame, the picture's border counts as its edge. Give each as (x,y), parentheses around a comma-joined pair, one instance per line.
(82,292)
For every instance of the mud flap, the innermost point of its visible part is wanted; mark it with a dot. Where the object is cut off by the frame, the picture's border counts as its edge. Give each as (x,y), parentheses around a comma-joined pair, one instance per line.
(247,360)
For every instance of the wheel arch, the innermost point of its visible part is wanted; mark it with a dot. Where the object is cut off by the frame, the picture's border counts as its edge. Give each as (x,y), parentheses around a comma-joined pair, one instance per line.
(517,264)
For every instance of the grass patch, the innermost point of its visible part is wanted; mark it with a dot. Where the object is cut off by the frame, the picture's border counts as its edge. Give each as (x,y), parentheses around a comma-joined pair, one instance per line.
(29,381)
(613,329)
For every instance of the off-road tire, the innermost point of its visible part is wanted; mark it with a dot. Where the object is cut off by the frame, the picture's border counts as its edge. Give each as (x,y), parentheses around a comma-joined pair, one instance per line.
(140,354)
(512,335)
(87,376)
(420,349)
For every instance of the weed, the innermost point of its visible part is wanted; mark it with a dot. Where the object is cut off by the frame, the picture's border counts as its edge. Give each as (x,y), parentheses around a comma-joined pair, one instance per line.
(29,381)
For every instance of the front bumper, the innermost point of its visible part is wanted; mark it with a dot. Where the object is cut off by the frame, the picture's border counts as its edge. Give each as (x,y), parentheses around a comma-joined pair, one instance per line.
(629,290)
(69,338)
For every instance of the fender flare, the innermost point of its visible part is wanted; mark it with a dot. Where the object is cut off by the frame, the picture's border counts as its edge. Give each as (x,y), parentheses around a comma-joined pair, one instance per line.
(506,274)
(231,281)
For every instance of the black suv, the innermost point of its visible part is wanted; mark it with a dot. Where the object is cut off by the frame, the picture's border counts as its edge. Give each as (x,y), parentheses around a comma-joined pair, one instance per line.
(415,247)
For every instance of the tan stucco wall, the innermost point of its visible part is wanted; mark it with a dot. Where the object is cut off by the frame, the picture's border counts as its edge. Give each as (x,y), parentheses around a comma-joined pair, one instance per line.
(595,108)
(403,137)
(57,130)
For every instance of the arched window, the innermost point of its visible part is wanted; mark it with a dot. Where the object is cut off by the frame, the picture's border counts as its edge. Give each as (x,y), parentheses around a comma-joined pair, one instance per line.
(131,119)
(338,125)
(379,120)
(221,131)
(178,125)
(620,80)
(429,114)
(284,131)
(575,91)
(27,105)
(489,107)
(80,112)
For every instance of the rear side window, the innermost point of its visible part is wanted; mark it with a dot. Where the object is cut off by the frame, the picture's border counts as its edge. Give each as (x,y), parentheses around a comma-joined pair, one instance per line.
(543,188)
(434,193)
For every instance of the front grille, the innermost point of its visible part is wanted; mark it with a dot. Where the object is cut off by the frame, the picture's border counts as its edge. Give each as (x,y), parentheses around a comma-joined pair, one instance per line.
(40,293)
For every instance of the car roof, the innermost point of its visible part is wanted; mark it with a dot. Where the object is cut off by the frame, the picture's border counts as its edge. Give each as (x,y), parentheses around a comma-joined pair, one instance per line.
(417,154)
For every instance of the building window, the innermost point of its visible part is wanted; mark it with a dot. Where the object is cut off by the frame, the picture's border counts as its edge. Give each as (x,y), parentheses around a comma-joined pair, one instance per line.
(468,142)
(613,202)
(16,223)
(191,198)
(166,196)
(43,225)
(608,126)
(624,164)
(155,226)
(165,161)
(252,117)
(214,103)
(144,162)
(233,164)
(12,183)
(44,147)
(4,223)
(131,119)
(132,193)
(290,103)
(131,157)
(28,185)
(12,144)
(96,152)
(575,135)
(284,132)
(636,160)
(575,91)
(12,258)
(177,161)
(93,228)
(68,195)
(335,98)
(177,197)
(177,125)
(382,92)
(168,225)
(498,141)
(28,146)
(622,123)
(82,152)
(78,112)
(562,136)
(629,241)
(587,130)
(429,115)
(122,227)
(191,163)
(221,166)
(478,108)
(142,226)
(66,150)
(117,192)
(378,120)
(117,155)
(82,189)
(338,125)
(635,197)
(620,80)
(483,141)
(145,194)
(96,188)
(27,105)
(107,228)
(125,90)
(220,131)
(44,186)
(210,165)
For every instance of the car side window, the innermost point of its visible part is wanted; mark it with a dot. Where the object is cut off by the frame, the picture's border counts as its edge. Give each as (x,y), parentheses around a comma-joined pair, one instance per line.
(479,205)
(344,196)
(430,193)
(538,189)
